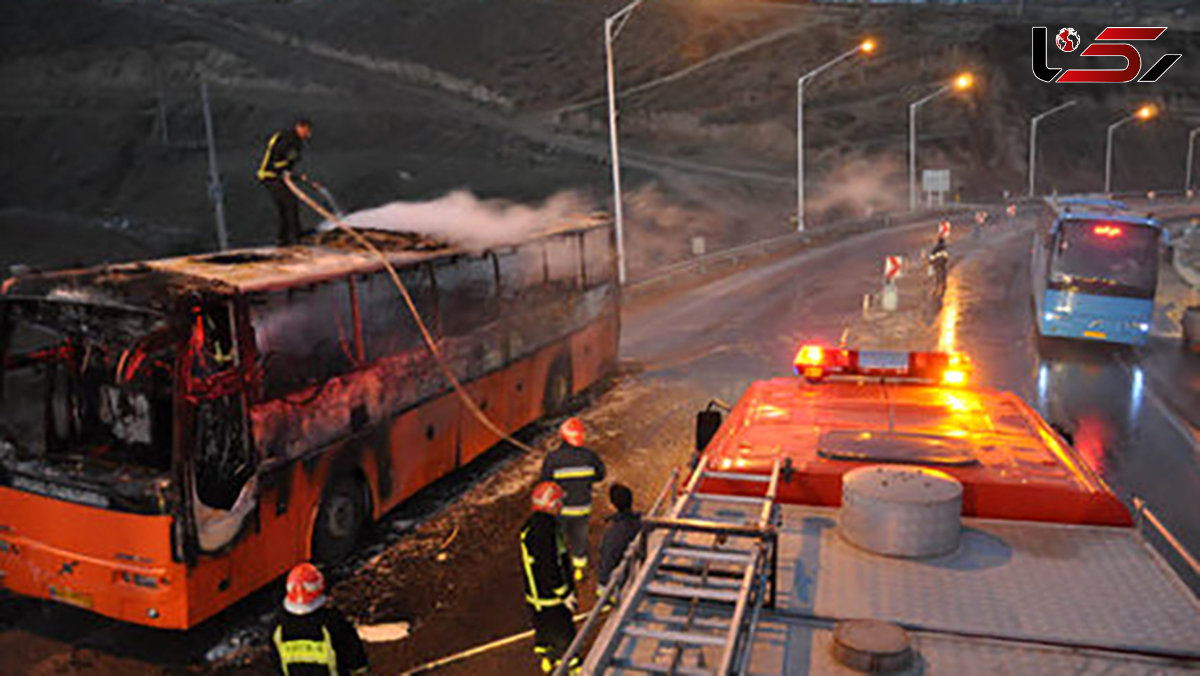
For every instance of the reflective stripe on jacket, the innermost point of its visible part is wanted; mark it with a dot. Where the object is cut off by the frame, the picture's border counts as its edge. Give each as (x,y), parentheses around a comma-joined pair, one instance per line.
(302,651)
(544,558)
(575,468)
(283,152)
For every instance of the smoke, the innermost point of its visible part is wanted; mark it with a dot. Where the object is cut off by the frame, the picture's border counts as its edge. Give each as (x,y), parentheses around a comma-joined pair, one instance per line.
(462,219)
(858,187)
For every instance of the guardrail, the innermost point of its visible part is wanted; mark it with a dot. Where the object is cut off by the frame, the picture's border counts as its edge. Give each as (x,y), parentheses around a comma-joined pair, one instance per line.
(1184,562)
(730,258)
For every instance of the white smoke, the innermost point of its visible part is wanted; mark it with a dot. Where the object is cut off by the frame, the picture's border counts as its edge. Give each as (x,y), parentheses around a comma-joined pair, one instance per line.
(462,219)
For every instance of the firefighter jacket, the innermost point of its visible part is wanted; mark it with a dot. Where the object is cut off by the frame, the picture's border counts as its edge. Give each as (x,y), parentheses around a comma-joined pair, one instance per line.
(320,643)
(283,152)
(575,468)
(546,564)
(622,528)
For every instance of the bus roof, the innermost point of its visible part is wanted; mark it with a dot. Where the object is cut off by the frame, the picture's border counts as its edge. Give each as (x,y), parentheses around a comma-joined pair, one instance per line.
(1092,202)
(159,284)
(1108,216)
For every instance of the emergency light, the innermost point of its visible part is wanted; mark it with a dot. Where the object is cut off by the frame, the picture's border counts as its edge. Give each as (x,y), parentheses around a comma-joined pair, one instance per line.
(1107,230)
(815,362)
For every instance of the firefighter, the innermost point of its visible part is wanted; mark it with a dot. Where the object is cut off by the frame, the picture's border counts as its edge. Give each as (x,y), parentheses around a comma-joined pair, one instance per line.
(549,587)
(939,258)
(312,638)
(575,469)
(279,160)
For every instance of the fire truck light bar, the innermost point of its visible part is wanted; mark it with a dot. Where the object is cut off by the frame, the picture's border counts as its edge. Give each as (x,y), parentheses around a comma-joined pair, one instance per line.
(815,362)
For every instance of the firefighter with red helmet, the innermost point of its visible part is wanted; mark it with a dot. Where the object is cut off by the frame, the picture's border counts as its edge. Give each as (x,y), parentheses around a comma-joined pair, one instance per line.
(313,638)
(574,468)
(549,587)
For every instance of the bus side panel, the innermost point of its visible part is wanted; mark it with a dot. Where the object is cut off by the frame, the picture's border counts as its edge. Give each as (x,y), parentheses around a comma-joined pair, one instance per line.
(495,397)
(593,351)
(281,536)
(424,444)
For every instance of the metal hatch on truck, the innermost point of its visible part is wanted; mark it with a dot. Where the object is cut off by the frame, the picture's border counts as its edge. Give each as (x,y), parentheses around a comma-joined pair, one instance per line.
(901,447)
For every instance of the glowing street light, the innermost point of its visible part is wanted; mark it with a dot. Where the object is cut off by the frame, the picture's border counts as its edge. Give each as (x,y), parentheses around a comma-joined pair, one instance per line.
(1142,114)
(961,82)
(865,47)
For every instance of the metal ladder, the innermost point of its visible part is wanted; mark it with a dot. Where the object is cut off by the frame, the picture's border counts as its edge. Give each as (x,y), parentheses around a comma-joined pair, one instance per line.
(701,587)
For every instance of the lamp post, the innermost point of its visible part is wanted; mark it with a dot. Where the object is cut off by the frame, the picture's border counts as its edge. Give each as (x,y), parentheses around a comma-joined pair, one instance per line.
(612,28)
(864,47)
(1187,180)
(1033,125)
(960,83)
(1144,113)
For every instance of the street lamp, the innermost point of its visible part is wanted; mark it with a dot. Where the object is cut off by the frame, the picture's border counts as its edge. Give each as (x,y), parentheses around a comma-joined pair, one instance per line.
(1187,181)
(961,82)
(865,47)
(1033,125)
(612,28)
(1144,113)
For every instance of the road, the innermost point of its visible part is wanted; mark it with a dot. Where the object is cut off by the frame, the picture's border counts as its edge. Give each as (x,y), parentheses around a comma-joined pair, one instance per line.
(1128,410)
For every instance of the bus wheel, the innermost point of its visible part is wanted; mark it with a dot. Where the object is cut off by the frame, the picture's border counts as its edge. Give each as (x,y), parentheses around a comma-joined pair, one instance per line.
(340,521)
(558,387)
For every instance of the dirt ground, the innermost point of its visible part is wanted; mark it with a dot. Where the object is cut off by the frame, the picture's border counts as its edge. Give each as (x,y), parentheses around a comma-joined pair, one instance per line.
(104,160)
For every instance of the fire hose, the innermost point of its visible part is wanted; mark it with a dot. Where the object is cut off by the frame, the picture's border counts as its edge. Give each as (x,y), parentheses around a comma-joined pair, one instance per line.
(430,343)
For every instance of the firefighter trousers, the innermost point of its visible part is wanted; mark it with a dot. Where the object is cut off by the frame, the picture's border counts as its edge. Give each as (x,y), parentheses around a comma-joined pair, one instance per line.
(289,210)
(553,631)
(576,530)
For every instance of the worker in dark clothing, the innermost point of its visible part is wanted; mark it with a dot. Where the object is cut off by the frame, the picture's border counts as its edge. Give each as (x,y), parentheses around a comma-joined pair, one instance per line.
(939,258)
(280,158)
(575,468)
(622,528)
(313,639)
(549,587)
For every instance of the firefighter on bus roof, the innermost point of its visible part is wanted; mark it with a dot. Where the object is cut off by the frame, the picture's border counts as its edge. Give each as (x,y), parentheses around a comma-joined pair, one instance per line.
(549,587)
(312,638)
(280,158)
(575,469)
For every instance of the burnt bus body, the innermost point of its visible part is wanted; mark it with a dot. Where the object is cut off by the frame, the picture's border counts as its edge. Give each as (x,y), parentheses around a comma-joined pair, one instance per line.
(175,434)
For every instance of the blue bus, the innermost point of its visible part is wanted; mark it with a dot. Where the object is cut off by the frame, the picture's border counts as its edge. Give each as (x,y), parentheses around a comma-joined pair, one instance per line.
(1095,271)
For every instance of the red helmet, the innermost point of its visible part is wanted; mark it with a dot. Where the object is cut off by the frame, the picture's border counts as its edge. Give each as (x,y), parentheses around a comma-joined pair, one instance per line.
(547,497)
(571,431)
(305,589)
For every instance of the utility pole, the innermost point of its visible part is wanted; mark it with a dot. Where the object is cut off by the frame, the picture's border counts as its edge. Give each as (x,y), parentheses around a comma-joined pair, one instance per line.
(216,192)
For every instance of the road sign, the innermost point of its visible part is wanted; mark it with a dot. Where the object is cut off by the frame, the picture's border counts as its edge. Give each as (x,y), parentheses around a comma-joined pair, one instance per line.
(891,268)
(944,229)
(935,180)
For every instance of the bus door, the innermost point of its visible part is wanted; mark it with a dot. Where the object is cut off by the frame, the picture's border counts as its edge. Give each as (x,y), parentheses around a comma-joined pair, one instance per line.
(224,486)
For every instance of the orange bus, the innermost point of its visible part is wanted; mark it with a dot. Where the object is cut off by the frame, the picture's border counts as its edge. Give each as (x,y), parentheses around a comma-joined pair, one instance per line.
(175,434)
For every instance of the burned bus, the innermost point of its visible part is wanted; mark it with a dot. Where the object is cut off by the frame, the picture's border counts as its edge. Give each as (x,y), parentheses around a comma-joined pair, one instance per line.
(174,434)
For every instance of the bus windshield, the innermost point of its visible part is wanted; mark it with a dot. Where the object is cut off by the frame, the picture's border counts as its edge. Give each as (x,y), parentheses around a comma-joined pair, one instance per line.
(1106,258)
(82,401)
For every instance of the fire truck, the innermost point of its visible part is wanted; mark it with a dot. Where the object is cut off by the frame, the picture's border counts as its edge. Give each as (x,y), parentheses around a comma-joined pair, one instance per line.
(877,512)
